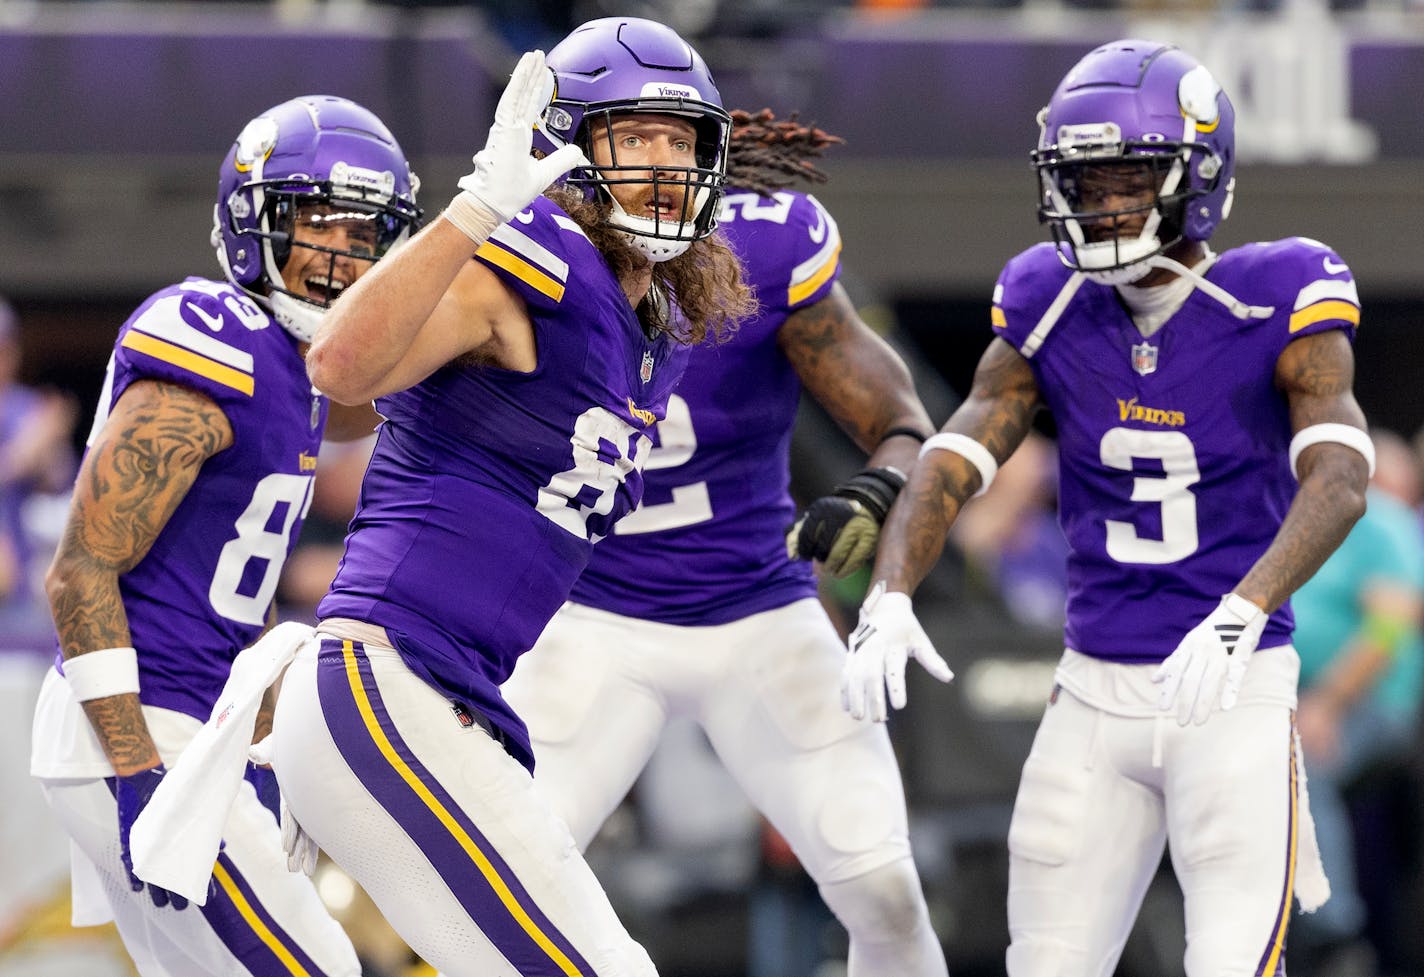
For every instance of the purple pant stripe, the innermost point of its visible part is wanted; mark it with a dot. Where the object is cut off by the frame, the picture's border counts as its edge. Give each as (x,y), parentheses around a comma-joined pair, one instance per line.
(254,936)
(431,818)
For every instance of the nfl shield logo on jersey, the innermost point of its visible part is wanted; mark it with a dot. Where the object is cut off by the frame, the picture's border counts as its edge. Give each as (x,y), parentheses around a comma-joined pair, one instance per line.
(1144,358)
(646,373)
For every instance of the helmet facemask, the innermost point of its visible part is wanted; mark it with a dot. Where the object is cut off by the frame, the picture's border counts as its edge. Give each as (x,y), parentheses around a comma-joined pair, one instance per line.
(327,237)
(1083,189)
(694,192)
(1145,116)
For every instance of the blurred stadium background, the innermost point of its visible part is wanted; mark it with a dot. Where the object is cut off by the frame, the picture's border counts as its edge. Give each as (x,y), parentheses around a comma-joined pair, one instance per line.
(114,116)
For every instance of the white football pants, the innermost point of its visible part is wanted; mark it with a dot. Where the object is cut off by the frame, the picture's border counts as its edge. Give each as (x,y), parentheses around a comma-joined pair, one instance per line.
(1100,796)
(438,824)
(598,688)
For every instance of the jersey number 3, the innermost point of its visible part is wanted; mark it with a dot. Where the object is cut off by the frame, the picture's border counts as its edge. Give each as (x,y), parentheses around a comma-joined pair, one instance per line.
(1171,491)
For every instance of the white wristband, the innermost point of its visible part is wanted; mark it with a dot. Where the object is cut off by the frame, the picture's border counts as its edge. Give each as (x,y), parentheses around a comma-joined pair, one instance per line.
(968,449)
(1244,609)
(1346,434)
(475,220)
(100,674)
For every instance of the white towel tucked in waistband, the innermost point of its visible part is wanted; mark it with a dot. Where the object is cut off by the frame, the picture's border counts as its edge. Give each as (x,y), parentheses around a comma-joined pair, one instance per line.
(176,839)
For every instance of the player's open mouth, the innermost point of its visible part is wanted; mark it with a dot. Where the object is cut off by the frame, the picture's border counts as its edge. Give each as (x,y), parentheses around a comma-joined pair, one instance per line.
(323,289)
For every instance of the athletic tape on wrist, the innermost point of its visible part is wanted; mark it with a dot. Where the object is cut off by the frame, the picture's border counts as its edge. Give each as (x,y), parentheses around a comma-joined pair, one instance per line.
(100,674)
(474,220)
(968,449)
(1346,434)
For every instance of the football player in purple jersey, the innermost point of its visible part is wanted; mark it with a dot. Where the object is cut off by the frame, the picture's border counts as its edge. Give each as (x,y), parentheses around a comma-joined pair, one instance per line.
(694,607)
(191,494)
(1211,455)
(521,348)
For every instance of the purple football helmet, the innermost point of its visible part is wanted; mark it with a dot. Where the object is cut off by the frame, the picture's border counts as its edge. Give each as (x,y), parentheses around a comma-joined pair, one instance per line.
(316,149)
(1135,113)
(617,65)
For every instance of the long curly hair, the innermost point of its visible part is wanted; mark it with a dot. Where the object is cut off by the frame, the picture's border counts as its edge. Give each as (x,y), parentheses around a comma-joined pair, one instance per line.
(705,282)
(769,154)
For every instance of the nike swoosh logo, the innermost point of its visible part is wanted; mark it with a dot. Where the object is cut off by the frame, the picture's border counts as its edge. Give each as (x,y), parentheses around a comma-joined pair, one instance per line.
(818,233)
(213,322)
(1335,267)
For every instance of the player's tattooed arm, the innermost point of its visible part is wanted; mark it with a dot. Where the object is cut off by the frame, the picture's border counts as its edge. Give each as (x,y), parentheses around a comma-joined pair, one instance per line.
(856,376)
(137,471)
(997,414)
(1316,373)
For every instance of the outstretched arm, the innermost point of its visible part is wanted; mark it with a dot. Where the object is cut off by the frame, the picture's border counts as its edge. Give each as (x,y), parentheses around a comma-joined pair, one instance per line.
(997,415)
(978,437)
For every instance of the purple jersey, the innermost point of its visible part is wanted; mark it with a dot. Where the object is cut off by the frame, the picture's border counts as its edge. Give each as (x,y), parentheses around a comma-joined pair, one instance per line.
(706,546)
(202,593)
(1173,468)
(488,488)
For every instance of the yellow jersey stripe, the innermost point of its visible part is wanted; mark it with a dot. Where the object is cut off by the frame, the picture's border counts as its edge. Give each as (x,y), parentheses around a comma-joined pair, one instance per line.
(798,292)
(522,270)
(190,361)
(383,743)
(245,909)
(997,318)
(1321,311)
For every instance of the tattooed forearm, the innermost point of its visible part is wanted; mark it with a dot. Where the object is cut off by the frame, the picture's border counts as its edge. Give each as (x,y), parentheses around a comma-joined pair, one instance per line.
(1327,504)
(85,600)
(1316,374)
(998,415)
(850,371)
(119,724)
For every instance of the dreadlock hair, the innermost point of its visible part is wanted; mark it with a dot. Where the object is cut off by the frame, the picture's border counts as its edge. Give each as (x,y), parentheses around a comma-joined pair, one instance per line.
(767,154)
(704,282)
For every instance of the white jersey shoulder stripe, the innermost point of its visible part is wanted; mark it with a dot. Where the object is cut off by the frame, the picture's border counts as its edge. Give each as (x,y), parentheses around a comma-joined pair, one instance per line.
(810,274)
(532,252)
(1327,288)
(164,320)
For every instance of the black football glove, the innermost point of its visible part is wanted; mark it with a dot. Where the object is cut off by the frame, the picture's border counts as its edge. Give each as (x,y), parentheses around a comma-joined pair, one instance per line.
(841,529)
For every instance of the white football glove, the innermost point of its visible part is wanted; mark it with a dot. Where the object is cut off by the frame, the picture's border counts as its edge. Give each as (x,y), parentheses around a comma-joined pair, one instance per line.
(887,637)
(1210,662)
(506,178)
(301,850)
